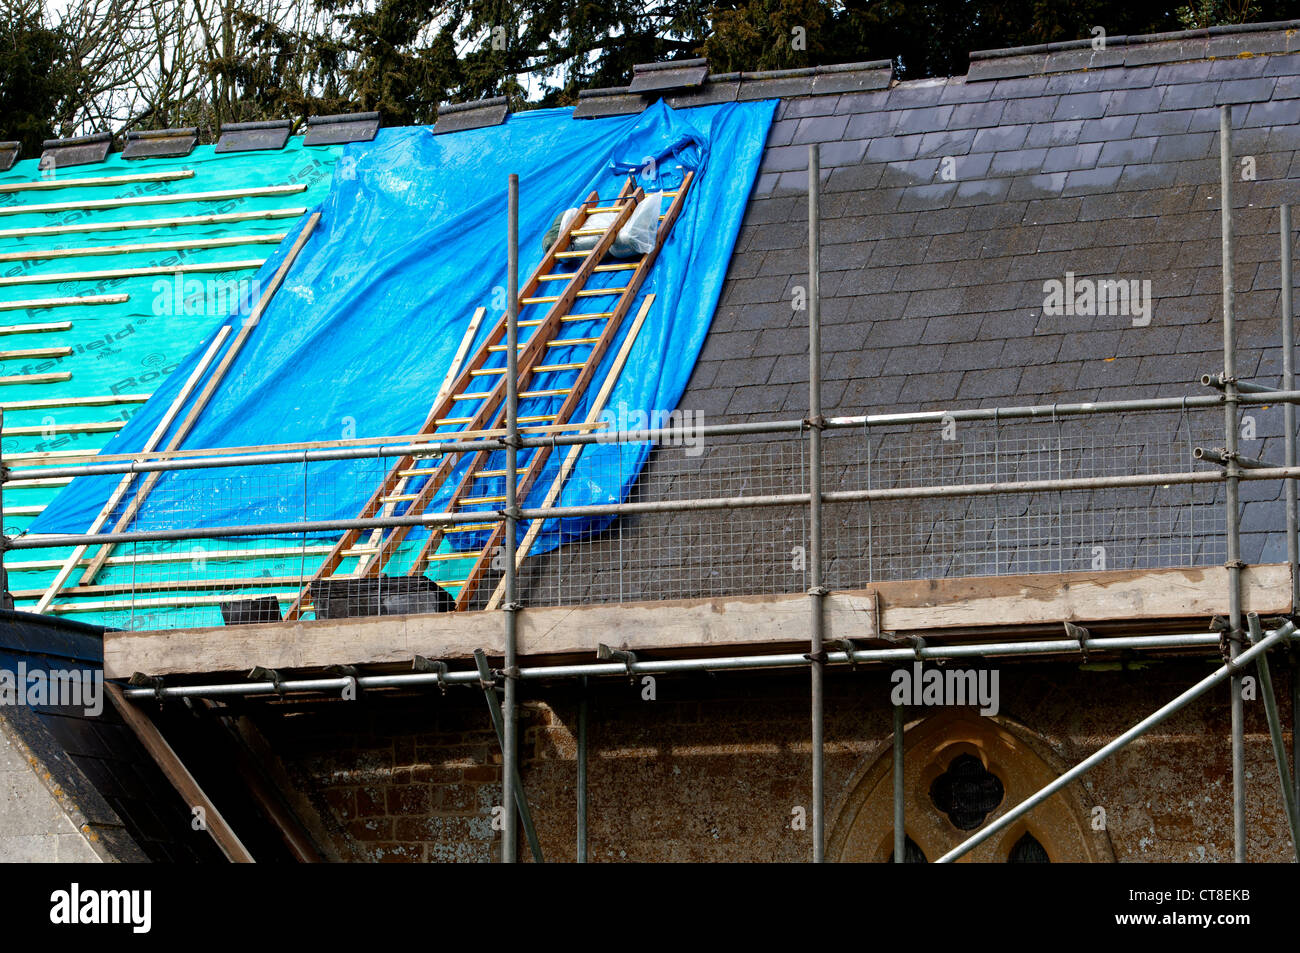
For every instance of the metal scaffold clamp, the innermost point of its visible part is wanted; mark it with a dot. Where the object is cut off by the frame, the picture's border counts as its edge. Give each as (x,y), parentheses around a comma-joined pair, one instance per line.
(439,668)
(1079,634)
(260,674)
(349,672)
(848,648)
(817,422)
(141,680)
(1227,636)
(606,654)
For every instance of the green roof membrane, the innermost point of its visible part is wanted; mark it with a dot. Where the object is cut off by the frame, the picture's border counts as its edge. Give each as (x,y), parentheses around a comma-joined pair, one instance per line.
(190,233)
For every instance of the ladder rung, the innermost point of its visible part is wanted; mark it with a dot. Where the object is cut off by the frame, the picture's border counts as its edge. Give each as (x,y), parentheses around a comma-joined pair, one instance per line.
(584,232)
(546,368)
(534,418)
(449,421)
(624,266)
(485,371)
(553,392)
(468,528)
(572,254)
(605,208)
(471,500)
(440,557)
(599,292)
(486,474)
(544,300)
(478,396)
(401,498)
(557,277)
(568,342)
(534,322)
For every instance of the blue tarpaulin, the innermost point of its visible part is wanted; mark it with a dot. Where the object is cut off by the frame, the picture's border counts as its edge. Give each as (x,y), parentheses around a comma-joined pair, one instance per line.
(411,241)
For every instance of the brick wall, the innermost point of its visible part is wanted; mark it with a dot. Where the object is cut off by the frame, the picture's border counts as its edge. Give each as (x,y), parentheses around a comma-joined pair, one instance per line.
(711,770)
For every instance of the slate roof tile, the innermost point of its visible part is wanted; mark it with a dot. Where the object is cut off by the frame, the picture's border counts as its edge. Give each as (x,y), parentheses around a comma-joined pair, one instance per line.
(1244,90)
(820,129)
(953,142)
(1037,186)
(999,138)
(1068,158)
(1082,105)
(1017,161)
(1054,134)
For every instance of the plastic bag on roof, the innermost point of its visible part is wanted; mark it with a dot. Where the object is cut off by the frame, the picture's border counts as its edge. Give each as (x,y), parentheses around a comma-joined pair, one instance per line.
(635,238)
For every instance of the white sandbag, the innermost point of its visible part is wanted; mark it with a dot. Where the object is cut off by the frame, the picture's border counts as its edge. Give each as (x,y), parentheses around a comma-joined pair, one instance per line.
(637,237)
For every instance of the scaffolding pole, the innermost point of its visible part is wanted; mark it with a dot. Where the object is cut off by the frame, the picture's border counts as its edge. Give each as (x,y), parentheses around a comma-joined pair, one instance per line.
(816,591)
(582,771)
(982,650)
(6,600)
(1275,735)
(1229,668)
(509,734)
(1288,410)
(900,829)
(1232,513)
(218,457)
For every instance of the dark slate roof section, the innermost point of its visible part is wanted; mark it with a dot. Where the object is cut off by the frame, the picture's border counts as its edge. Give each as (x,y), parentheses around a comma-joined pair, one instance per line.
(946,204)
(340,129)
(83,150)
(476,115)
(160,143)
(730,87)
(253,136)
(674,74)
(105,781)
(9,152)
(1223,42)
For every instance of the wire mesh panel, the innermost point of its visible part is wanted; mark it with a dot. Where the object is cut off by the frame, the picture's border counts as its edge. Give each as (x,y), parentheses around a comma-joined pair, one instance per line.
(691,554)
(1019,533)
(674,554)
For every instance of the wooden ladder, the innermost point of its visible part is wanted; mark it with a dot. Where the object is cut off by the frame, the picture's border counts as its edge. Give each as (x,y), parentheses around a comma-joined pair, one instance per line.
(486,408)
